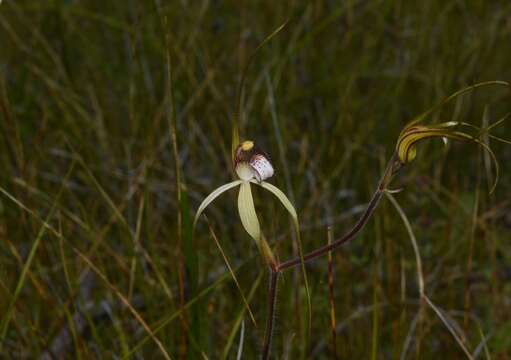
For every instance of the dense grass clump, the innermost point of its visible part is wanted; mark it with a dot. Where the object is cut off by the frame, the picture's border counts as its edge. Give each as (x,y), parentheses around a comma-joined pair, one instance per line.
(115,123)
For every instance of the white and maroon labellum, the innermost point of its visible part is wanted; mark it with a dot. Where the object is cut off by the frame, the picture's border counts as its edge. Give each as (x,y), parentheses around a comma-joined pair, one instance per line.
(262,167)
(251,162)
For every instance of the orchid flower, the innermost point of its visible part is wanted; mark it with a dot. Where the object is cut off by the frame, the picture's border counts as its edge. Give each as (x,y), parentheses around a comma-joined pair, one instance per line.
(252,166)
(414,133)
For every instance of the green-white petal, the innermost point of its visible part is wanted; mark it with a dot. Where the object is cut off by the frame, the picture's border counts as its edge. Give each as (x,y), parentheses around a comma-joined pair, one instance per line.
(282,197)
(216,193)
(247,212)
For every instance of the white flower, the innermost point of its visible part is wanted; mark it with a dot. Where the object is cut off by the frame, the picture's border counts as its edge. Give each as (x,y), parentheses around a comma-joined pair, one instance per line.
(252,165)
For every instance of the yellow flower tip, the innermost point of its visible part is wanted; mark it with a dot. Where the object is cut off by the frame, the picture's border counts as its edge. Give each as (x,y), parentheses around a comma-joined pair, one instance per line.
(247,145)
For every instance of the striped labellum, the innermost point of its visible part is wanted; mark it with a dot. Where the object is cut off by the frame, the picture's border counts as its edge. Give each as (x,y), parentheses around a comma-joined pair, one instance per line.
(250,162)
(262,167)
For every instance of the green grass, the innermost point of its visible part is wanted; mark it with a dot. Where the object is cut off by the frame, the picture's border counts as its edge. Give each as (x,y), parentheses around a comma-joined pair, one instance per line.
(97,255)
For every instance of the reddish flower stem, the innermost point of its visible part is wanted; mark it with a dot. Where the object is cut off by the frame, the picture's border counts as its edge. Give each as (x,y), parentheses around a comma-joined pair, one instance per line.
(392,167)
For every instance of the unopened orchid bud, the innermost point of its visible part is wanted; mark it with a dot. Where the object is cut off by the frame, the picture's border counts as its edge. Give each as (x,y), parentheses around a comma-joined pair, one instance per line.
(406,147)
(410,136)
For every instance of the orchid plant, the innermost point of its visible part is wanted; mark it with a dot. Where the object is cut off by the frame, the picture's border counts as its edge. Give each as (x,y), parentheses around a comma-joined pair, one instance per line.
(253,166)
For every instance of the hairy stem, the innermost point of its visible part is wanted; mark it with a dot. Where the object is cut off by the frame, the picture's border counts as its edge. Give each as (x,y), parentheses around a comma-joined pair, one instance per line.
(393,166)
(270,320)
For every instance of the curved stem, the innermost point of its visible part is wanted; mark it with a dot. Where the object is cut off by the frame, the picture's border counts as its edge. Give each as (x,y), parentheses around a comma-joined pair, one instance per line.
(392,167)
(270,321)
(275,268)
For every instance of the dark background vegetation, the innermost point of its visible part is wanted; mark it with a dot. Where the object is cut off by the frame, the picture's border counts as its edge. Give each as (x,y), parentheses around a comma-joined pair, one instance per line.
(86,148)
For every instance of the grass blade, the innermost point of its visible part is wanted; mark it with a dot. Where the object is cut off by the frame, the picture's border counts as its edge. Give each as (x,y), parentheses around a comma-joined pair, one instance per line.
(191,264)
(234,278)
(239,321)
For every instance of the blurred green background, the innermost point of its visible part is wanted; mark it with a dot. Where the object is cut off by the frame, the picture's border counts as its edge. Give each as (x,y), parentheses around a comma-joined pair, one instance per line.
(91,218)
